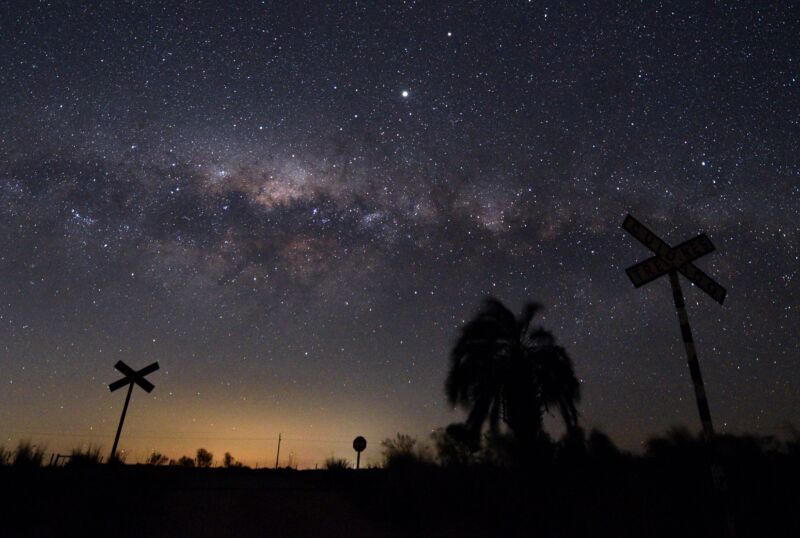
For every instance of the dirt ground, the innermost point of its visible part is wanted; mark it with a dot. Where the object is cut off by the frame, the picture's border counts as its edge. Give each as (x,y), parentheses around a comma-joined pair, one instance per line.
(627,500)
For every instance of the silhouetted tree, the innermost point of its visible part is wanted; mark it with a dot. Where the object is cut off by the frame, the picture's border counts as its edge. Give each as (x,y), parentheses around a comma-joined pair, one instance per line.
(228,461)
(454,445)
(204,458)
(5,456)
(792,444)
(402,451)
(185,461)
(504,368)
(678,442)
(600,445)
(499,449)
(573,445)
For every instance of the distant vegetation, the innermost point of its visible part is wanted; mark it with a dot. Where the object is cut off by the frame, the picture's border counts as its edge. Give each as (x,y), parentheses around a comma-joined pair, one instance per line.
(499,471)
(28,455)
(337,464)
(403,450)
(204,458)
(185,461)
(156,458)
(446,448)
(81,457)
(229,461)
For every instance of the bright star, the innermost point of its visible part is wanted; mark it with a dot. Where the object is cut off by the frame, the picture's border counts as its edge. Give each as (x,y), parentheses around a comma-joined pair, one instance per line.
(404,93)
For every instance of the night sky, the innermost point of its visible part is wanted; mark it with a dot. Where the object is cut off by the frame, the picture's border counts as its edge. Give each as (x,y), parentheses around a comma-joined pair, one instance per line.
(294,206)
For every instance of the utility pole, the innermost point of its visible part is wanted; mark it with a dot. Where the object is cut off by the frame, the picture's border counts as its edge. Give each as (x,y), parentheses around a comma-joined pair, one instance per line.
(278,455)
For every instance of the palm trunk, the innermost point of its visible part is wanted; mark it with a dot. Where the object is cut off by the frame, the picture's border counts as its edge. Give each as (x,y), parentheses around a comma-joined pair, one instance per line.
(527,427)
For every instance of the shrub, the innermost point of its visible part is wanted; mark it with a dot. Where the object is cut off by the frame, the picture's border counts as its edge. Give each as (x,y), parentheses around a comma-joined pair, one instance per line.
(454,445)
(28,455)
(337,464)
(185,461)
(156,458)
(229,461)
(118,459)
(601,446)
(80,457)
(678,442)
(204,458)
(792,444)
(403,451)
(500,449)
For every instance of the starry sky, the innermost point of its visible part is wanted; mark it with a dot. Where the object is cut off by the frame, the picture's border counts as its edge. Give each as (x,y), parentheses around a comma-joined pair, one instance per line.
(294,206)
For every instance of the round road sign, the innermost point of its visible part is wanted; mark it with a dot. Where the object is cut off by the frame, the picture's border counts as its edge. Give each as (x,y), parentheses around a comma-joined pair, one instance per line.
(359,444)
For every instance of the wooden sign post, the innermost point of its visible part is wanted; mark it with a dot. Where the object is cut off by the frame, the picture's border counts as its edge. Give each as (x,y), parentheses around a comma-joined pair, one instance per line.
(131,377)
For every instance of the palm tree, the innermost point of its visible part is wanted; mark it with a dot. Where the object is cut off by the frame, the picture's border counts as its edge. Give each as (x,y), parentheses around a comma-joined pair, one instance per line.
(504,368)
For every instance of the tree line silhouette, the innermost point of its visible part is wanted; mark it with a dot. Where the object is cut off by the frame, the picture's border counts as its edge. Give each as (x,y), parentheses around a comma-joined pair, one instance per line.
(499,472)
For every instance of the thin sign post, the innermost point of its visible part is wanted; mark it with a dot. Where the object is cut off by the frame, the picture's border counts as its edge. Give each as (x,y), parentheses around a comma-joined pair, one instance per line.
(130,378)
(278,453)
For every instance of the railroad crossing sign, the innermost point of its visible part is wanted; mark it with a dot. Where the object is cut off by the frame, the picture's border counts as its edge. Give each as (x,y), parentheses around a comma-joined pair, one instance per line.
(671,261)
(131,377)
(359,444)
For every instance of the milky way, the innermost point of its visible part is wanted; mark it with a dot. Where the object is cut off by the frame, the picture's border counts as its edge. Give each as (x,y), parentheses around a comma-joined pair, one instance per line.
(294,209)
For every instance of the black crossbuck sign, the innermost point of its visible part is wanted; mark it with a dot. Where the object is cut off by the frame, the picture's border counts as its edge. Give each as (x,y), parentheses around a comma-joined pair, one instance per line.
(131,378)
(671,261)
(668,259)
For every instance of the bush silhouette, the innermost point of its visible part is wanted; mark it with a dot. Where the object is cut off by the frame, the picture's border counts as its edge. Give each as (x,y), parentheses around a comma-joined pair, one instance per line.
(80,457)
(28,455)
(5,456)
(204,458)
(185,461)
(156,458)
(228,461)
(455,445)
(792,444)
(500,449)
(678,442)
(600,446)
(118,459)
(337,464)
(403,451)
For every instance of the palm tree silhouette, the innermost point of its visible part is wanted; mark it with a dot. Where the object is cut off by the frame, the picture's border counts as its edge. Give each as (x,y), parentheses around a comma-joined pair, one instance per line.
(504,368)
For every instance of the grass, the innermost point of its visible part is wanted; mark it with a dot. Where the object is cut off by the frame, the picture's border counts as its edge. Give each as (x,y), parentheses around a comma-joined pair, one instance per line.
(337,464)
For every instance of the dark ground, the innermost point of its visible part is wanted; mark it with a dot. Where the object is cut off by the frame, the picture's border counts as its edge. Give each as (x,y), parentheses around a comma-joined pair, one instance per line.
(626,497)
